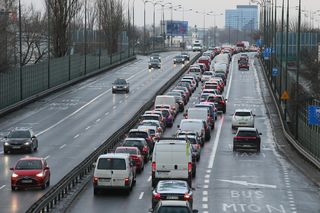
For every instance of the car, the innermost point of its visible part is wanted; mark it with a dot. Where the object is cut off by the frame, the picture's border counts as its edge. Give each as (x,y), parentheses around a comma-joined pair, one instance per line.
(156,115)
(243,64)
(179,59)
(20,139)
(167,100)
(168,117)
(135,155)
(181,133)
(114,171)
(152,131)
(172,159)
(141,144)
(120,84)
(30,172)
(193,125)
(154,63)
(186,56)
(242,118)
(195,70)
(172,190)
(211,107)
(173,206)
(206,60)
(179,99)
(155,56)
(206,76)
(247,138)
(220,102)
(152,123)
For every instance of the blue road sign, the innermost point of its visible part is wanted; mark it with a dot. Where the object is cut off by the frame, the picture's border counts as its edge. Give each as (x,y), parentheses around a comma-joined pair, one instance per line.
(275,71)
(259,42)
(314,115)
(266,53)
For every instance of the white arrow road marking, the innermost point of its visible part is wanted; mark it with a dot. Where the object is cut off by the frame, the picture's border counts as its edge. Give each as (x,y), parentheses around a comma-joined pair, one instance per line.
(141,195)
(2,186)
(245,183)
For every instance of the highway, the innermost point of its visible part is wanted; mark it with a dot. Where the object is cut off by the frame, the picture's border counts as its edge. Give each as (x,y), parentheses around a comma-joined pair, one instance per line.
(73,122)
(226,181)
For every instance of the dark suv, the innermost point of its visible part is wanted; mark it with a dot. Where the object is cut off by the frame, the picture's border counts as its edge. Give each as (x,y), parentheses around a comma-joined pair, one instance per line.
(247,138)
(22,139)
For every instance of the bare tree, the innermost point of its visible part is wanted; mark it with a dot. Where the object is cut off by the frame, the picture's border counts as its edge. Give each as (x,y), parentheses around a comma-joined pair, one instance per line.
(61,14)
(112,21)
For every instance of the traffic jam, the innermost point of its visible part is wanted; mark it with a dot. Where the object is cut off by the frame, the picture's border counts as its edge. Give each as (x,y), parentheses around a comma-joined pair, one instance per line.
(173,160)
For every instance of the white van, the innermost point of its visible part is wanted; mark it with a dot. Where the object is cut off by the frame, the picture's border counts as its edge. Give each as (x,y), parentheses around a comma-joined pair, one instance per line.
(201,113)
(114,171)
(167,100)
(193,125)
(172,159)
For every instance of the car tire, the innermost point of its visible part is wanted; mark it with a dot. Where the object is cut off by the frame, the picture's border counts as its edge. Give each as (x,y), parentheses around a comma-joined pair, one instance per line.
(198,158)
(113,91)
(95,191)
(234,149)
(43,186)
(13,188)
(224,110)
(48,182)
(258,149)
(5,151)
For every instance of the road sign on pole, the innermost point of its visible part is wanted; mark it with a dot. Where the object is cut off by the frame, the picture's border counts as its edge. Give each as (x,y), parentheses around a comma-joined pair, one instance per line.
(314,115)
(285,95)
(275,71)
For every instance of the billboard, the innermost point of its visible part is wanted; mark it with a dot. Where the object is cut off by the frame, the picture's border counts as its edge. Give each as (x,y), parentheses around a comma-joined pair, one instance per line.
(177,28)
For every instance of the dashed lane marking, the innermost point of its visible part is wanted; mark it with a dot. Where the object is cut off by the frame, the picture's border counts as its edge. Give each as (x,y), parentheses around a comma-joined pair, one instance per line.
(88,127)
(47,157)
(205,199)
(2,187)
(141,195)
(205,193)
(64,145)
(149,179)
(204,206)
(76,136)
(107,113)
(98,120)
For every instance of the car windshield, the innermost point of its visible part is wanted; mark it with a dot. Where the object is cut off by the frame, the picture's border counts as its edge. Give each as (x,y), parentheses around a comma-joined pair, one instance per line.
(165,113)
(133,143)
(120,81)
(243,62)
(164,185)
(28,165)
(154,61)
(148,123)
(207,73)
(194,70)
(124,150)
(150,117)
(242,114)
(205,96)
(19,134)
(215,99)
(112,163)
(173,209)
(138,135)
(247,133)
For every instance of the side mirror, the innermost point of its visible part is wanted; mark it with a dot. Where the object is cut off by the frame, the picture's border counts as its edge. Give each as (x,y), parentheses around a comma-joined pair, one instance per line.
(225,99)
(260,133)
(150,210)
(33,137)
(11,168)
(94,164)
(178,126)
(254,114)
(46,168)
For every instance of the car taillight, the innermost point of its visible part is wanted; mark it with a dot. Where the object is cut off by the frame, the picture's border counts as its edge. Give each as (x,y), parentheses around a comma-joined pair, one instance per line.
(186,196)
(134,157)
(242,137)
(156,196)
(95,180)
(126,181)
(221,102)
(145,149)
(189,167)
(198,146)
(153,166)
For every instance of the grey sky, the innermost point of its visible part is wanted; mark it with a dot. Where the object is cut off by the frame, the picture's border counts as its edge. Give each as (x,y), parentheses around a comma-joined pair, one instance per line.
(219,6)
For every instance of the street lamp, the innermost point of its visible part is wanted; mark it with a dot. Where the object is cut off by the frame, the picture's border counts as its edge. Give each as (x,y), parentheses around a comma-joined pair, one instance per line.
(154,19)
(211,13)
(163,24)
(204,23)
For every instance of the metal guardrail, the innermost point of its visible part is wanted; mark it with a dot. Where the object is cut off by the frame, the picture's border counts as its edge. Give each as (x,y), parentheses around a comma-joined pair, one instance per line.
(287,133)
(60,190)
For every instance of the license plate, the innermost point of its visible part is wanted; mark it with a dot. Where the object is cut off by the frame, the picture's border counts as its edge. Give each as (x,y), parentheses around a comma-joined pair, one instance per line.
(26,181)
(16,147)
(105,180)
(172,197)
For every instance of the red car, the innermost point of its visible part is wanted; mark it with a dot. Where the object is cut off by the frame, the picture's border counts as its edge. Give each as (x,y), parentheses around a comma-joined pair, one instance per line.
(205,60)
(135,155)
(30,172)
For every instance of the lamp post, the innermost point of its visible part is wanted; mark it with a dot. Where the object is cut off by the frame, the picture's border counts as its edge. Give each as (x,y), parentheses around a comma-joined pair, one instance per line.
(211,13)
(133,29)
(144,24)
(298,70)
(163,24)
(154,19)
(128,28)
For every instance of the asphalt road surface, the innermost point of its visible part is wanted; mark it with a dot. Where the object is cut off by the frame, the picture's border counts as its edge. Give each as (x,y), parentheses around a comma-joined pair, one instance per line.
(226,181)
(72,123)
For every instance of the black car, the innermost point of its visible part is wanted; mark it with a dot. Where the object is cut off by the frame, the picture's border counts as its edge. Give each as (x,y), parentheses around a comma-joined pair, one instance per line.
(155,56)
(186,56)
(247,138)
(173,206)
(20,139)
(120,84)
(172,190)
(154,63)
(178,59)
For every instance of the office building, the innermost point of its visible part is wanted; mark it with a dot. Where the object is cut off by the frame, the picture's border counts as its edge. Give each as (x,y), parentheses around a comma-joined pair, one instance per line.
(243,18)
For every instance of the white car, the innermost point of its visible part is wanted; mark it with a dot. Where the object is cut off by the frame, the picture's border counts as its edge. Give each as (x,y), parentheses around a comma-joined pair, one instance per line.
(242,118)
(206,76)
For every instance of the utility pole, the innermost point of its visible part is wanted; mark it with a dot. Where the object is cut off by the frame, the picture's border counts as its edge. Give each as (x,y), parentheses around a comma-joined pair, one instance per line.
(298,71)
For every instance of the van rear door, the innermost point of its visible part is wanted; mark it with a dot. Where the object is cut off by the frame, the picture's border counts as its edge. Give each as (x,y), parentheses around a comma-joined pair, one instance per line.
(112,171)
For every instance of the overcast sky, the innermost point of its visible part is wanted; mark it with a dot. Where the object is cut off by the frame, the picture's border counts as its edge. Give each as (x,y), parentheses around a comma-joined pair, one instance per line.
(218,6)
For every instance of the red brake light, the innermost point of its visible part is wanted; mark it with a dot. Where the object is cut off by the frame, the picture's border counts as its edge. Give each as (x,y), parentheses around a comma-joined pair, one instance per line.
(145,149)
(186,196)
(198,146)
(156,196)
(95,180)
(153,166)
(189,167)
(126,181)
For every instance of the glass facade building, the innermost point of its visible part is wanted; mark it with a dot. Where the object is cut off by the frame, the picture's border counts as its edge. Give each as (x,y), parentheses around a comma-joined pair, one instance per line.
(243,18)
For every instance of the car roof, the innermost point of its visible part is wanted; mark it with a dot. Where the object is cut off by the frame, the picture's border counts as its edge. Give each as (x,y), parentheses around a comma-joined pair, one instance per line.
(247,129)
(134,139)
(242,110)
(31,158)
(174,203)
(127,147)
(21,129)
(138,130)
(114,155)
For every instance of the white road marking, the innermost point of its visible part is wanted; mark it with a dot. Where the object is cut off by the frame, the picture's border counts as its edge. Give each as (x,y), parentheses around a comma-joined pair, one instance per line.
(230,81)
(215,146)
(245,183)
(205,193)
(98,120)
(149,179)
(76,136)
(141,195)
(207,176)
(61,147)
(204,206)
(46,158)
(2,187)
(205,199)
(114,107)
(88,127)
(208,170)
(205,186)
(205,212)
(206,181)
(107,113)
(72,114)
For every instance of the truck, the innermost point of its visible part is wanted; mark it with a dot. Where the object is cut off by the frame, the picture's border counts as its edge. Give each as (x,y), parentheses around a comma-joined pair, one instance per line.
(197,45)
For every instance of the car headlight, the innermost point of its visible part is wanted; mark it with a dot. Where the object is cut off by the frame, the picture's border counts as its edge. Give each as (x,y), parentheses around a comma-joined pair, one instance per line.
(114,87)
(174,59)
(27,143)
(6,143)
(41,174)
(14,175)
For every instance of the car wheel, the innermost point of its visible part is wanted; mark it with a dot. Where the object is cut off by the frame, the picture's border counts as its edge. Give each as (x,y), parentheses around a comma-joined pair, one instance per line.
(127,91)
(258,149)
(95,191)
(13,188)
(35,148)
(43,186)
(224,110)
(198,158)
(5,151)
(234,149)
(154,183)
(189,182)
(112,91)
